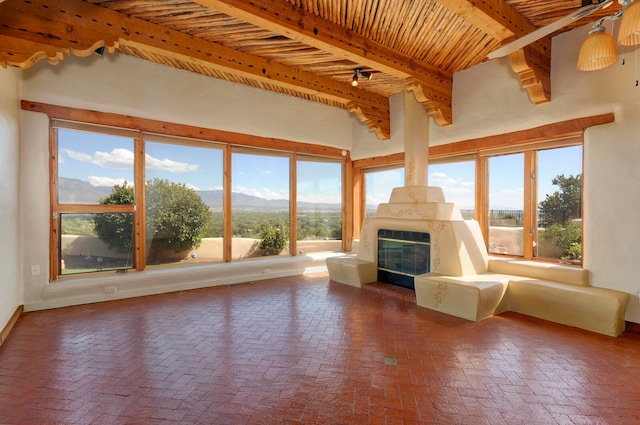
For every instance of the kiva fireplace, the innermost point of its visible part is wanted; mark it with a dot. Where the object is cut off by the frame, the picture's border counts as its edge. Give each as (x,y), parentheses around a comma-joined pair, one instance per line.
(402,255)
(416,232)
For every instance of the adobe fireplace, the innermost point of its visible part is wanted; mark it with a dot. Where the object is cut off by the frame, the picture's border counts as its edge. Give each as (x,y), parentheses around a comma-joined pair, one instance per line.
(456,245)
(393,244)
(402,255)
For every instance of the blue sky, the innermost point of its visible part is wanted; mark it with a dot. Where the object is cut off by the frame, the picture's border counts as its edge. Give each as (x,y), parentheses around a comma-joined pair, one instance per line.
(268,176)
(199,168)
(506,183)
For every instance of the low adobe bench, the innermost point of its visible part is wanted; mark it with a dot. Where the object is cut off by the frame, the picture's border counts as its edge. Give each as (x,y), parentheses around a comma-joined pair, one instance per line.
(554,292)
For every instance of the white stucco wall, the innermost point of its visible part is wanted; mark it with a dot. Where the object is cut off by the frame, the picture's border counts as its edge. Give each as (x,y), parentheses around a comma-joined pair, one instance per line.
(10,286)
(129,86)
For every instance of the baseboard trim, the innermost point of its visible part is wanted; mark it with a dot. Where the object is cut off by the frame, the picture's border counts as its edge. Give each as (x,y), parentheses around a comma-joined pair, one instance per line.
(12,322)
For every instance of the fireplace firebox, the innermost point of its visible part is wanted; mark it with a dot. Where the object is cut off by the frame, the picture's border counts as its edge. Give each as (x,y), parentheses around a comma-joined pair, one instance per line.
(402,255)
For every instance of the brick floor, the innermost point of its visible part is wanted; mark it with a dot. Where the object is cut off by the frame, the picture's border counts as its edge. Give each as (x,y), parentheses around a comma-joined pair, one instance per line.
(305,350)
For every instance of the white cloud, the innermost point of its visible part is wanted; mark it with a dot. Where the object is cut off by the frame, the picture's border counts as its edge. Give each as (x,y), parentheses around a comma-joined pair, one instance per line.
(265,193)
(123,158)
(117,158)
(438,175)
(78,156)
(169,165)
(105,181)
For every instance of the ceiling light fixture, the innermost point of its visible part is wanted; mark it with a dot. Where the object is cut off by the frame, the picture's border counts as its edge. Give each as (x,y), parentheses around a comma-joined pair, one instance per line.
(359,72)
(599,50)
(629,34)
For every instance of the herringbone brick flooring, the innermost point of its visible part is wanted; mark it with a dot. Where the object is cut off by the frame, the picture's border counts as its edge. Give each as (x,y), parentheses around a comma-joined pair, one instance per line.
(305,350)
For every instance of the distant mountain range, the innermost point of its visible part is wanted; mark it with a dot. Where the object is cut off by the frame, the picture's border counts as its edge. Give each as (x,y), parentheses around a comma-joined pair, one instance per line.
(81,192)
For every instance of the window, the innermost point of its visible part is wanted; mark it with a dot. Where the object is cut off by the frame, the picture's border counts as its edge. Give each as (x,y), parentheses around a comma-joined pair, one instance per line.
(535,201)
(124,198)
(184,209)
(260,203)
(560,204)
(457,180)
(319,204)
(506,204)
(378,187)
(94,226)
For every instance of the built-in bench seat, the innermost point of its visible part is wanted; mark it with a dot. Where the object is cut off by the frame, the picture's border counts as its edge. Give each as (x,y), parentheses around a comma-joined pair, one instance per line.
(351,270)
(554,292)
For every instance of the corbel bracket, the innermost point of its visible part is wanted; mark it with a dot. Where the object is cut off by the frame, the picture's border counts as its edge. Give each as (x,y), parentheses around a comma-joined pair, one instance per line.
(534,70)
(437,102)
(376,120)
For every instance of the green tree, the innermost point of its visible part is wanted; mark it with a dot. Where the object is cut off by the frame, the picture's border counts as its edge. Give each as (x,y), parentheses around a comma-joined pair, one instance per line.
(176,216)
(557,212)
(564,204)
(116,229)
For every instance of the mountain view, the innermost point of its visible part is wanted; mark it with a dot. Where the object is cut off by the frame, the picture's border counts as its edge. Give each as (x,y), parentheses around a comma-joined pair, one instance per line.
(81,192)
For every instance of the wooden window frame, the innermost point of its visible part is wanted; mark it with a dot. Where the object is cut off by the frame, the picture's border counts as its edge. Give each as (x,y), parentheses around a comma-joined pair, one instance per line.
(556,135)
(203,136)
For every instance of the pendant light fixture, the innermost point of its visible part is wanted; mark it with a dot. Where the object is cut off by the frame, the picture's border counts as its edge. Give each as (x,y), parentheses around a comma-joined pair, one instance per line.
(629,34)
(599,49)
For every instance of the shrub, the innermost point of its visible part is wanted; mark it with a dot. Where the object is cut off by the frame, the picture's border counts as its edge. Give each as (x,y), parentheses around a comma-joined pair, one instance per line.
(568,238)
(274,239)
(116,229)
(176,216)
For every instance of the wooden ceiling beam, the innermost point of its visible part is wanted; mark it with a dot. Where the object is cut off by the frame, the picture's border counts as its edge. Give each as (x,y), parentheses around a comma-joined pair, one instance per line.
(533,63)
(294,23)
(37,29)
(480,18)
(509,18)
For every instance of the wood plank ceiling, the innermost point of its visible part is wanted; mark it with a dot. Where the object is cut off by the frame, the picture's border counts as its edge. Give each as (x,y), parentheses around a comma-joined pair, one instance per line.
(302,48)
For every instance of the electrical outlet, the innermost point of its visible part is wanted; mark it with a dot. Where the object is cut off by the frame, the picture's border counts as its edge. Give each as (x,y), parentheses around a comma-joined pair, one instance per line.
(110,289)
(35,270)
(266,271)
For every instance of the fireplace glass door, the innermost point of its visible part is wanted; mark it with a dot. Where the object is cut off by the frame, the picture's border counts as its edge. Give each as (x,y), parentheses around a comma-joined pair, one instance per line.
(402,255)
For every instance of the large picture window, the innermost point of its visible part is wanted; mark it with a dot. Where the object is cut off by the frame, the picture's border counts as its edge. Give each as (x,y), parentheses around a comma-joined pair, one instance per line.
(559,212)
(94,228)
(183,202)
(506,204)
(535,202)
(124,199)
(319,205)
(260,203)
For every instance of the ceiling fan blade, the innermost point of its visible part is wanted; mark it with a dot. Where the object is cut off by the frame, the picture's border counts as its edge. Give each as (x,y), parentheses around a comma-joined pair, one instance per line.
(547,29)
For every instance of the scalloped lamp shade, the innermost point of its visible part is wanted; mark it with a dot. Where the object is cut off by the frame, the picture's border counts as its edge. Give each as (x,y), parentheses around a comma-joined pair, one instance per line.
(629,34)
(598,51)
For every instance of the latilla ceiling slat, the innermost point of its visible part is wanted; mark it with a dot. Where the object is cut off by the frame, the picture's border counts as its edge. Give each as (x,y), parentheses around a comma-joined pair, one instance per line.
(423,30)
